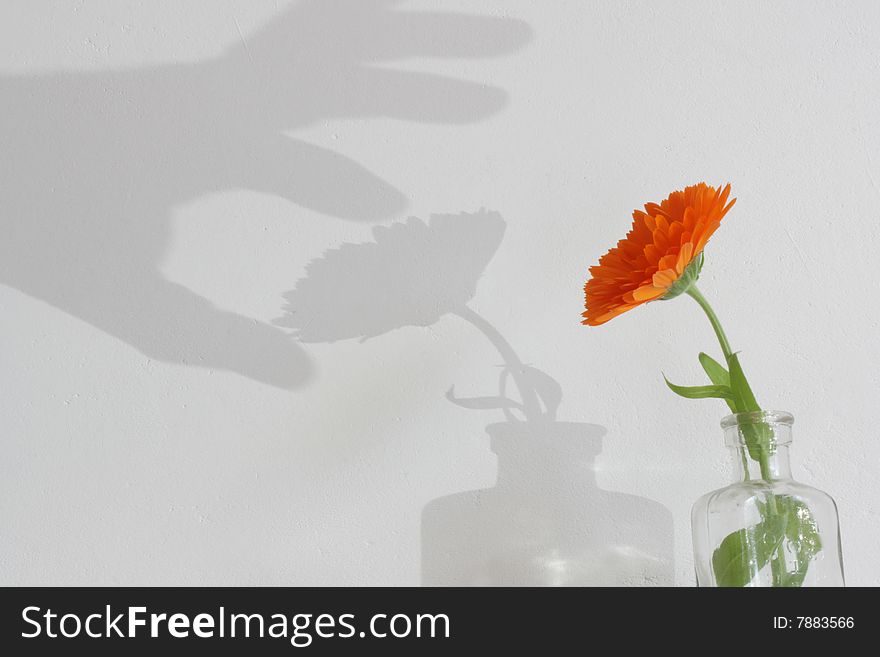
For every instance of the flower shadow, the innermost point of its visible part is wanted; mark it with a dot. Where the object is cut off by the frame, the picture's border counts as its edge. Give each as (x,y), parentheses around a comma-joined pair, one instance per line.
(546,521)
(412,274)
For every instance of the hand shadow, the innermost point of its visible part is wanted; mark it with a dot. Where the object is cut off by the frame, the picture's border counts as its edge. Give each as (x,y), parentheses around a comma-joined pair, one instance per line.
(546,521)
(94,162)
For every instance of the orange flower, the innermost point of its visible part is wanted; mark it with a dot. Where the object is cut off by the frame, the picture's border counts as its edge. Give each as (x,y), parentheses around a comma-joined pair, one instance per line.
(663,241)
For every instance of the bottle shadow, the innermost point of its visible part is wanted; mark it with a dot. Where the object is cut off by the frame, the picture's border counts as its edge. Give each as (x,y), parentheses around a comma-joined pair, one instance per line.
(94,162)
(546,521)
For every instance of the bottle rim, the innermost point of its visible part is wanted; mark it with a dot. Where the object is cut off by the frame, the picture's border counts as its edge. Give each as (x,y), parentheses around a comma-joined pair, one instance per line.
(757,417)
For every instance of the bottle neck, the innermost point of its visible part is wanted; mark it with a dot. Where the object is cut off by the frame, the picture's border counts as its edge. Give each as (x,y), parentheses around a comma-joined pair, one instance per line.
(770,465)
(760,444)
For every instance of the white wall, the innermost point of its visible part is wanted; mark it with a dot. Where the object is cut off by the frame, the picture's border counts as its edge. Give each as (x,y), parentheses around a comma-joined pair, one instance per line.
(170,170)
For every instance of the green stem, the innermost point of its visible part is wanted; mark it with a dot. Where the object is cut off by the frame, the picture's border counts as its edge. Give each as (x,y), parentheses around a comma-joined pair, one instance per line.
(777,565)
(713,319)
(697,296)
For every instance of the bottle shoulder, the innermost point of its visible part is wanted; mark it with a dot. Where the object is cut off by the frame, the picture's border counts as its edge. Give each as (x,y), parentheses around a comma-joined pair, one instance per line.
(758,489)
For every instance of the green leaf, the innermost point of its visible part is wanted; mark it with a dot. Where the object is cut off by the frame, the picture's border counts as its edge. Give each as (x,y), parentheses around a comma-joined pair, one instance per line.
(802,534)
(717,375)
(700,392)
(757,436)
(732,562)
(742,554)
(745,552)
(743,394)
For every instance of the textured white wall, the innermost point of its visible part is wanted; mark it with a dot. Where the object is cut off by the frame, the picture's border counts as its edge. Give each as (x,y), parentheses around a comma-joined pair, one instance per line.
(170,170)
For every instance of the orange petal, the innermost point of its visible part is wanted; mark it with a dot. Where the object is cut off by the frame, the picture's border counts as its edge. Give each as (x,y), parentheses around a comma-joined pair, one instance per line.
(684,257)
(644,293)
(668,261)
(665,278)
(606,316)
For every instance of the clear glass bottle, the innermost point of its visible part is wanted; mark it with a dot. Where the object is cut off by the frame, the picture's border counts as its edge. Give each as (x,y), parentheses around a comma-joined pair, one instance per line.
(765,529)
